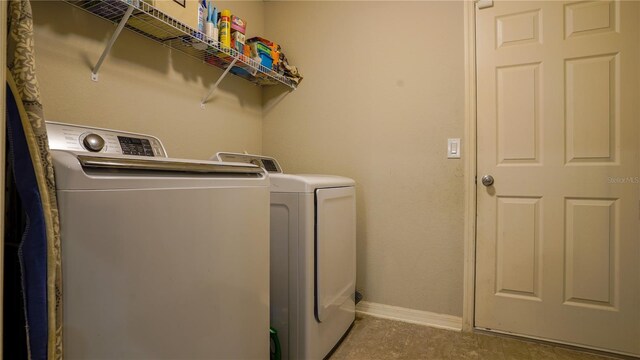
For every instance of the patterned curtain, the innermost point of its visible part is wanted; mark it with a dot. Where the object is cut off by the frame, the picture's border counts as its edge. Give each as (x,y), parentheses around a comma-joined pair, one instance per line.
(26,131)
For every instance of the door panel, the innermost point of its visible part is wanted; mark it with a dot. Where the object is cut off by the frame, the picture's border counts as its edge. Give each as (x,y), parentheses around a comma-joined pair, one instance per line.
(591,117)
(591,243)
(558,232)
(517,245)
(335,250)
(518,115)
(589,17)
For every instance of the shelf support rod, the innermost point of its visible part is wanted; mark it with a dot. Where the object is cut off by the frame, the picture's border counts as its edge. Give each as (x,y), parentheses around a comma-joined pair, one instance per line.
(215,86)
(114,37)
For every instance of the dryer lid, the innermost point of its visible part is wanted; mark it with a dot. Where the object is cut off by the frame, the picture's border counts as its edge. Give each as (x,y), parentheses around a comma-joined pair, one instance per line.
(306,183)
(286,183)
(270,164)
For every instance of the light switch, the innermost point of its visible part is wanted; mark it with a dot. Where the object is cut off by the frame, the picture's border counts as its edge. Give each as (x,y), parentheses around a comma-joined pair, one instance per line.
(453,148)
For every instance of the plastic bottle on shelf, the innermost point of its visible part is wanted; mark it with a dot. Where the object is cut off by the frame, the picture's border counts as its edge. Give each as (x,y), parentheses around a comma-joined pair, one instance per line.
(211,27)
(202,15)
(225,28)
(202,19)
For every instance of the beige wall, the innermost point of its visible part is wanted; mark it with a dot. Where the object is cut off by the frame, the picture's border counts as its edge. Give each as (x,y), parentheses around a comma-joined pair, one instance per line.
(383,90)
(143,87)
(377,104)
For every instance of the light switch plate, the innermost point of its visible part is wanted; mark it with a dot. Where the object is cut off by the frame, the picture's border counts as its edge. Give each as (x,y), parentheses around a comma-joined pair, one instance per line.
(453,148)
(483,4)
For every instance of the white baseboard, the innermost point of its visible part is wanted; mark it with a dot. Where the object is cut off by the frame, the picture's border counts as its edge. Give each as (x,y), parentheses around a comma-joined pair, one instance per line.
(419,317)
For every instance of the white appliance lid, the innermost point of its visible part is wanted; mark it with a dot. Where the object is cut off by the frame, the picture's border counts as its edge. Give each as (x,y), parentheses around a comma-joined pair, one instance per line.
(71,174)
(287,183)
(306,183)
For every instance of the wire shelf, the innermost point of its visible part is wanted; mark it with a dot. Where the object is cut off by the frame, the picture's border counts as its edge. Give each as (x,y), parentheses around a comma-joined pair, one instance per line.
(158,26)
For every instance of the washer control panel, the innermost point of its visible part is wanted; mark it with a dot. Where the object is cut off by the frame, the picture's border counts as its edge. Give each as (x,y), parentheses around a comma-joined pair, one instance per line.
(96,140)
(93,142)
(135,146)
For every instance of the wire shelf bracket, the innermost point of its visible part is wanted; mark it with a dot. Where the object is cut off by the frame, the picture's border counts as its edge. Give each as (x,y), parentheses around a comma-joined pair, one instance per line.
(215,86)
(114,37)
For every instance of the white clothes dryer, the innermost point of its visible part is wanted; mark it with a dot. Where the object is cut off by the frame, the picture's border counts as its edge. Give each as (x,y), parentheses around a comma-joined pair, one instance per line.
(313,258)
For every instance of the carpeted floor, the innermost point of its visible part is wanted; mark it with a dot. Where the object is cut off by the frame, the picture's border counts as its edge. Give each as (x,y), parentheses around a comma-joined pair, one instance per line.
(372,338)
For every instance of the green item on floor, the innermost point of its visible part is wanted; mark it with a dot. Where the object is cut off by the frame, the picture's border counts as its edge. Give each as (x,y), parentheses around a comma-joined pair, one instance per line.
(276,352)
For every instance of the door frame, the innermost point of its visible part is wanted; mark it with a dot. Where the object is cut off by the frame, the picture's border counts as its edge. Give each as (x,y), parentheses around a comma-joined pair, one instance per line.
(470,168)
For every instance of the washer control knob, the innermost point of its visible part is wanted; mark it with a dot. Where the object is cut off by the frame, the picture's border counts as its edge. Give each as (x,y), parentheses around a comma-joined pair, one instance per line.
(93,142)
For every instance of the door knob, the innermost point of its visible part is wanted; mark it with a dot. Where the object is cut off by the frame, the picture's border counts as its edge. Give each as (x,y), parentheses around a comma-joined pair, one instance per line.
(487,180)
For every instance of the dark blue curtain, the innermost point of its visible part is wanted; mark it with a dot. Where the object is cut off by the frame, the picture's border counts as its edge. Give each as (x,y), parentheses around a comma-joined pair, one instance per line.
(32,249)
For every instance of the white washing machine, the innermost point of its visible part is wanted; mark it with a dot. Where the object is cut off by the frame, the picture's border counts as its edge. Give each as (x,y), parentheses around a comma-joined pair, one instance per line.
(313,258)
(157,259)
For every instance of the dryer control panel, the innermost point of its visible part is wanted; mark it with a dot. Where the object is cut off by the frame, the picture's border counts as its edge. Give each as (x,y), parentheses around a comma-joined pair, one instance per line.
(96,140)
(268,163)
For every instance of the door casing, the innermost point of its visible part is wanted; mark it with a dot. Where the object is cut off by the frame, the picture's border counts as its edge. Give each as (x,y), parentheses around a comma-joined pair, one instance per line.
(470,169)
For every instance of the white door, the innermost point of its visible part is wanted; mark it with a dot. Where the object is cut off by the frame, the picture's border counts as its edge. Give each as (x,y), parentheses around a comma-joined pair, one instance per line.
(558,254)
